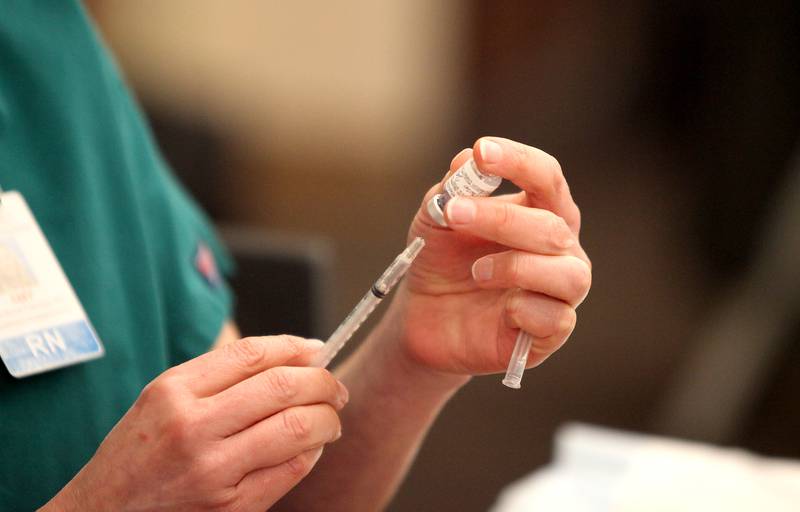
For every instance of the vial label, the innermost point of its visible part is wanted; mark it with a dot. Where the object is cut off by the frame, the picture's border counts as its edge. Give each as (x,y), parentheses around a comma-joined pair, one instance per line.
(469,181)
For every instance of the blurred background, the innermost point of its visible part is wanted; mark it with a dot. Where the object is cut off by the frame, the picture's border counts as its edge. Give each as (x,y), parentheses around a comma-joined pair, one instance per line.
(311,130)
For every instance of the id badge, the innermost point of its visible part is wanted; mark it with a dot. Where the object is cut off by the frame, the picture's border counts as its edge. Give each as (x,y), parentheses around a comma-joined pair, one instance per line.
(42,323)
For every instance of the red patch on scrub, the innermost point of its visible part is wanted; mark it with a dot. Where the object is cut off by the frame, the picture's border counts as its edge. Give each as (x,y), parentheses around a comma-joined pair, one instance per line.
(205,263)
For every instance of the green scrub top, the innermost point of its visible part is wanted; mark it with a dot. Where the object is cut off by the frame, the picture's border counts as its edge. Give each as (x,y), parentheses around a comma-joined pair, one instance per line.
(138,252)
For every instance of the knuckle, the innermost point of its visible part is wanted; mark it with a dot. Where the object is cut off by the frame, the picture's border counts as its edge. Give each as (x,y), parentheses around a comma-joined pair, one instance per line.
(515,268)
(299,466)
(248,352)
(548,345)
(514,306)
(331,419)
(281,384)
(588,262)
(546,323)
(229,500)
(555,171)
(460,154)
(567,319)
(562,326)
(297,425)
(160,389)
(203,469)
(176,419)
(577,216)
(554,166)
(292,344)
(504,217)
(511,219)
(580,278)
(151,392)
(557,226)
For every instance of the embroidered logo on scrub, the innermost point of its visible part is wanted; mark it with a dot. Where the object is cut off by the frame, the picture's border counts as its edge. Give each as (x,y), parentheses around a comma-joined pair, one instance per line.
(205,263)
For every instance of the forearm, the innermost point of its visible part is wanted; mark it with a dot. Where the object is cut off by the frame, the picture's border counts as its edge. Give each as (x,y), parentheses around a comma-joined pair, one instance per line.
(392,405)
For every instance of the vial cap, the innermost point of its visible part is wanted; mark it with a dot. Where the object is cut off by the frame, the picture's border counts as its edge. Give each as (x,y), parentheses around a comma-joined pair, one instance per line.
(435,211)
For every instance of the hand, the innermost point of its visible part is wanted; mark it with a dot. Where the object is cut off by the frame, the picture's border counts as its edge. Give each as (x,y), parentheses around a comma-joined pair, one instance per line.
(234,429)
(507,263)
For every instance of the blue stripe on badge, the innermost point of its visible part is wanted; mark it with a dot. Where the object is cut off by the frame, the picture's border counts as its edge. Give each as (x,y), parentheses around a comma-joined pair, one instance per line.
(51,348)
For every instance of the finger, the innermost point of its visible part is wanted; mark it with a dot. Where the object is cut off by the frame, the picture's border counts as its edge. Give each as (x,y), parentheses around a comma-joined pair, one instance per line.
(548,320)
(308,353)
(521,198)
(270,392)
(281,437)
(264,487)
(459,160)
(532,170)
(225,366)
(566,278)
(509,224)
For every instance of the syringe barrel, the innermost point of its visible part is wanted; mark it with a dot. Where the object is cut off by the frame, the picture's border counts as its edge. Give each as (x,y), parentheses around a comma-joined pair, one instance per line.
(367,304)
(519,359)
(346,329)
(398,268)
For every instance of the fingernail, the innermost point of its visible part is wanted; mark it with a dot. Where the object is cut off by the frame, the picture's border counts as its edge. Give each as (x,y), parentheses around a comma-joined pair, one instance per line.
(313,344)
(316,455)
(338,434)
(461,153)
(344,395)
(460,210)
(483,269)
(491,152)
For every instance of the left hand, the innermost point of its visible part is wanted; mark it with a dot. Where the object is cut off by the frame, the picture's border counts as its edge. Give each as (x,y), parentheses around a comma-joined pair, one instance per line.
(507,263)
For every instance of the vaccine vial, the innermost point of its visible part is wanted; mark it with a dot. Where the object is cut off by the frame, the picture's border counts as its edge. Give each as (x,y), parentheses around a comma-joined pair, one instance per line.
(468,180)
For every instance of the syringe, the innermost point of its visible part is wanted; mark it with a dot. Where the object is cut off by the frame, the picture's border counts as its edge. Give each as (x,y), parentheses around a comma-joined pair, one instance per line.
(518,361)
(367,304)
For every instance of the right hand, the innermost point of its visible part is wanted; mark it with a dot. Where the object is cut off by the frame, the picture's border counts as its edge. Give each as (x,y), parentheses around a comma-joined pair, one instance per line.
(233,429)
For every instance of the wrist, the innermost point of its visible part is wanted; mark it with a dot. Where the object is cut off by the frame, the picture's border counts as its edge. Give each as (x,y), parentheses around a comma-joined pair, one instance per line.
(64,501)
(386,351)
(410,370)
(74,498)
